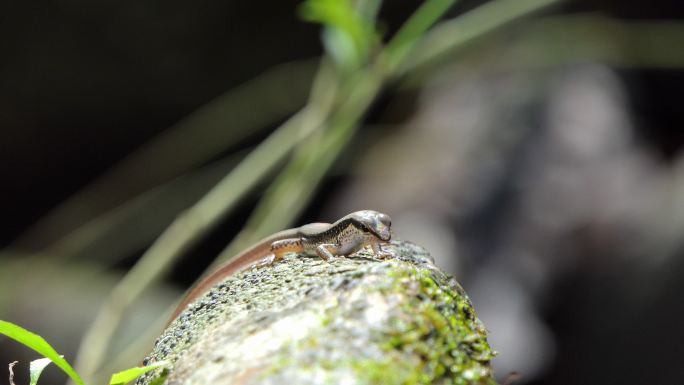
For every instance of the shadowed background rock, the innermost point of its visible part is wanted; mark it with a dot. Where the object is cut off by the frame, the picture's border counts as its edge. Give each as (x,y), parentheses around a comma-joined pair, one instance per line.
(355,320)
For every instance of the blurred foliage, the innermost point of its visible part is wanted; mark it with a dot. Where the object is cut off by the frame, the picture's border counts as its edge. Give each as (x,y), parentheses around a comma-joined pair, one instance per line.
(326,101)
(316,135)
(38,344)
(349,32)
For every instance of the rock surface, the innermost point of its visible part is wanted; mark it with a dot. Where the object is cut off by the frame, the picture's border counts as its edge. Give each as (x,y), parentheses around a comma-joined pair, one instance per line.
(355,320)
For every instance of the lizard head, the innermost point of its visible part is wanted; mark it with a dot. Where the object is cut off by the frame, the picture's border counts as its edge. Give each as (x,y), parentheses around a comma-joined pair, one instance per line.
(374,222)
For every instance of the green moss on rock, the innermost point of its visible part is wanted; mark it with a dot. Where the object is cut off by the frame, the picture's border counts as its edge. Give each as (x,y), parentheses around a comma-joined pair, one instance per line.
(356,320)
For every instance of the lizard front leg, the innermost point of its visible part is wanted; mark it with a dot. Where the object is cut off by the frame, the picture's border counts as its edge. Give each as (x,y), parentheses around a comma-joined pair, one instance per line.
(381,252)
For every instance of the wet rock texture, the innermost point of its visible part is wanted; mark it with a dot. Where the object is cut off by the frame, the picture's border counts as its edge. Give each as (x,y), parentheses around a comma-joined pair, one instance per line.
(354,320)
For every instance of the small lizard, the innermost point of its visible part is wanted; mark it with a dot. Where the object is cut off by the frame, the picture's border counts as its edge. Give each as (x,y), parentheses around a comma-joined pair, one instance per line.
(348,235)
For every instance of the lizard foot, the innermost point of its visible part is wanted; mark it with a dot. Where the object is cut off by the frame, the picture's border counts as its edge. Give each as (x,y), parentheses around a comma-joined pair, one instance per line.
(381,252)
(267,261)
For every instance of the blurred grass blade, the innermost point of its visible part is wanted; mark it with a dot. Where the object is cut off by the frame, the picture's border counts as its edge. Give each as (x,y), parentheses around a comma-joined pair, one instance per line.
(414,28)
(349,31)
(36,369)
(135,224)
(37,343)
(131,374)
(369,9)
(339,14)
(620,43)
(452,34)
(207,132)
(135,349)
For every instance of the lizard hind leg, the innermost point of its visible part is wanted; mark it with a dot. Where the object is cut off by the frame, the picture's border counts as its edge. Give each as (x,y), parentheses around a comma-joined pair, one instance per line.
(281,247)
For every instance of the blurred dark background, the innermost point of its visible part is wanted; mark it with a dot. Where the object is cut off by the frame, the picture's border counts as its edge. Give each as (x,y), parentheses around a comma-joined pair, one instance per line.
(545,176)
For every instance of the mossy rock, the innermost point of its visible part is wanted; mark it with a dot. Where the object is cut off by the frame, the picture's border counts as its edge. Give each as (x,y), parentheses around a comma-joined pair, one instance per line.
(355,320)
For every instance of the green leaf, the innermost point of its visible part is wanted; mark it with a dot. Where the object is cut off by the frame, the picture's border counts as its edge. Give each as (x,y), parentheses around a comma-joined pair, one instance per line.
(131,374)
(335,13)
(349,31)
(37,343)
(419,22)
(36,368)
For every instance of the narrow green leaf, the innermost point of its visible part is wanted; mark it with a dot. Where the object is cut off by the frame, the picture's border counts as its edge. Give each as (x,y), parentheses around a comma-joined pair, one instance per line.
(369,9)
(419,22)
(131,374)
(37,343)
(340,14)
(349,32)
(36,368)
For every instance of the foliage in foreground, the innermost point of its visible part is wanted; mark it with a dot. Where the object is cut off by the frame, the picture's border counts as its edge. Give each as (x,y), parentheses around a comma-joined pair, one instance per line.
(38,343)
